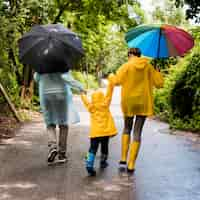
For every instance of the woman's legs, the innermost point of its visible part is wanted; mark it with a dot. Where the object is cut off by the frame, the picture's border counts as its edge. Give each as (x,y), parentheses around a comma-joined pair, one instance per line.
(135,145)
(128,124)
(138,126)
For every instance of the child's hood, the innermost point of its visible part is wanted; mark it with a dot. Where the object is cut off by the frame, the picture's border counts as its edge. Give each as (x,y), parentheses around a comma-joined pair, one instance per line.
(139,63)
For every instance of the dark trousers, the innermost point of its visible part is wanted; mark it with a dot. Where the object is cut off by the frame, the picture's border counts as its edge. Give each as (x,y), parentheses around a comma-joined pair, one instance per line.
(94,144)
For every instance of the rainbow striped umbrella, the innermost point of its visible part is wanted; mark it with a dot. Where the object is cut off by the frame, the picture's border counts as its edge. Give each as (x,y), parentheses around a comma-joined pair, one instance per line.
(159,41)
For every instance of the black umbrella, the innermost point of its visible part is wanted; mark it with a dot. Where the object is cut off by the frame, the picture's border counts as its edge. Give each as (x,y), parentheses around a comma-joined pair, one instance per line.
(50,48)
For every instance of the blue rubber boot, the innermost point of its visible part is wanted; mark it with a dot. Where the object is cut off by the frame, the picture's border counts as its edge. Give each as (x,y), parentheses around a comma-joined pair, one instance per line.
(90,164)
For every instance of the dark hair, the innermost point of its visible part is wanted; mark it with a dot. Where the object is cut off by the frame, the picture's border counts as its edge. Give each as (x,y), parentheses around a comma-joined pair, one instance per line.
(134,51)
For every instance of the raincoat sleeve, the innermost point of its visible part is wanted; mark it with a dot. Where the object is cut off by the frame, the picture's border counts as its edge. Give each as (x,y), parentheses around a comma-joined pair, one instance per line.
(157,77)
(85,101)
(120,75)
(67,77)
(36,77)
(109,92)
(72,114)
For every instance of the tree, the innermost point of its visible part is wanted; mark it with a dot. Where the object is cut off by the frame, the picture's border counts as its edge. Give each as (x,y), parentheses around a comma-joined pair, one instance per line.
(93,20)
(169,14)
(16,18)
(193,10)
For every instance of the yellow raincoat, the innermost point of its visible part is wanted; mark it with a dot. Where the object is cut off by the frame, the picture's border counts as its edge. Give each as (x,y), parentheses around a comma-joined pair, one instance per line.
(102,123)
(137,78)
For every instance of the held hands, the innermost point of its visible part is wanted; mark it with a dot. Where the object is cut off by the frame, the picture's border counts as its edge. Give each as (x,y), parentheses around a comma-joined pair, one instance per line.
(111,79)
(157,68)
(83,91)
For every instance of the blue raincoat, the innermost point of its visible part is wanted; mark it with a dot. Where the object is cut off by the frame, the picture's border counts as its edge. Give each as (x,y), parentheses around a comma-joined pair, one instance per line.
(56,97)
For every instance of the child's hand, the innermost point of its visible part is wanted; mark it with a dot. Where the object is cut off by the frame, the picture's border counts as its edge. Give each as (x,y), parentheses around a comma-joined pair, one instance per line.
(84,92)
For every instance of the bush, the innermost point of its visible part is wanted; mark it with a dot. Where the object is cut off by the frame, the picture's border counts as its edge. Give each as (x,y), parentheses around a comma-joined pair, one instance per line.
(179,101)
(9,82)
(185,94)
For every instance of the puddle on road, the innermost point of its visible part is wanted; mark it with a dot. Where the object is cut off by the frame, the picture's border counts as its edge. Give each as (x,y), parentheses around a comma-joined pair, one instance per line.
(192,139)
(165,131)
(109,189)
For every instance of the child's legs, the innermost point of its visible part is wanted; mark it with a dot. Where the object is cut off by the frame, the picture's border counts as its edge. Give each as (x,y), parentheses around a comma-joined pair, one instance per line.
(61,108)
(104,146)
(48,109)
(59,116)
(63,133)
(94,144)
(51,133)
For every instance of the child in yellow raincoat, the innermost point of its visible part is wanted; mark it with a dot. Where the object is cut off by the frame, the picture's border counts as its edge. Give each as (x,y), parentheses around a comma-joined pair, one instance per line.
(137,78)
(102,126)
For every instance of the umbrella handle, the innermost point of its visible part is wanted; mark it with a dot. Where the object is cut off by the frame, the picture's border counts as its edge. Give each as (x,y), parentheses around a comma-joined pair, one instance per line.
(156,66)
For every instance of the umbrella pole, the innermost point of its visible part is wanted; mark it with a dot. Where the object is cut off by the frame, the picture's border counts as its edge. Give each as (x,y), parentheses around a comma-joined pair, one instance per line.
(158,50)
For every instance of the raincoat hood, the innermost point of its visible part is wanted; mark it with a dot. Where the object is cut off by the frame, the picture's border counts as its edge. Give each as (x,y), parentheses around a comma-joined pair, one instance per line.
(97,96)
(138,62)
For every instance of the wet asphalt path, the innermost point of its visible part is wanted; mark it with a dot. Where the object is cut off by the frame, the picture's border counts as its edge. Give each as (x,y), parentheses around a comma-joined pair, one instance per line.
(168,166)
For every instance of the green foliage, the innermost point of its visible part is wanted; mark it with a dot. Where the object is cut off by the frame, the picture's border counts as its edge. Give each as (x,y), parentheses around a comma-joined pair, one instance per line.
(179,101)
(164,63)
(186,92)
(169,13)
(162,96)
(88,80)
(98,24)
(193,10)
(92,20)
(16,17)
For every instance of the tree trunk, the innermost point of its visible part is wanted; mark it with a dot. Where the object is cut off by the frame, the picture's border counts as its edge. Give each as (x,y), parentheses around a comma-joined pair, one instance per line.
(27,87)
(12,108)
(61,11)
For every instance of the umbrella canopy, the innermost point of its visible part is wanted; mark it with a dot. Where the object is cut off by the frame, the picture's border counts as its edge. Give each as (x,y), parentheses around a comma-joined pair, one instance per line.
(50,48)
(159,41)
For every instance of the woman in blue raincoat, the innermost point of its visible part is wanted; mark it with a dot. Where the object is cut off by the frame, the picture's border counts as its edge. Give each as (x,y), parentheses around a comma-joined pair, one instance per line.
(57,107)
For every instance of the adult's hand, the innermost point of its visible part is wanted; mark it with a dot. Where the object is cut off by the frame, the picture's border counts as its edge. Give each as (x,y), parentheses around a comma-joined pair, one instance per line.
(111,78)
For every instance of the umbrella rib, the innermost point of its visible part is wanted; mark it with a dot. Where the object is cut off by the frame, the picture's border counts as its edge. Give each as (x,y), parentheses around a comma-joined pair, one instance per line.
(158,49)
(33,35)
(70,46)
(33,45)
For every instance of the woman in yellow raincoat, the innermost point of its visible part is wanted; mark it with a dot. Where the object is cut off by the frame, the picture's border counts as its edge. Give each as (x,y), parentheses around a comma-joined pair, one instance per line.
(102,126)
(137,78)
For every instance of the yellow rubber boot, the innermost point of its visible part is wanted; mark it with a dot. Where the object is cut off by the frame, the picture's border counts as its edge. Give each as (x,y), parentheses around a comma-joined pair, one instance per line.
(134,149)
(124,148)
